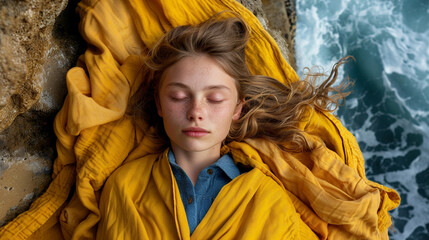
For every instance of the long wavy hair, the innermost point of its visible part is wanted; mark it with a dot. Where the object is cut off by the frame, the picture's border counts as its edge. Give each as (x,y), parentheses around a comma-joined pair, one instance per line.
(271,110)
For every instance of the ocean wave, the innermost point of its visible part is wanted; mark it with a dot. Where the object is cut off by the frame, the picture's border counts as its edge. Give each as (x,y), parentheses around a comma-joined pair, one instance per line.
(388,111)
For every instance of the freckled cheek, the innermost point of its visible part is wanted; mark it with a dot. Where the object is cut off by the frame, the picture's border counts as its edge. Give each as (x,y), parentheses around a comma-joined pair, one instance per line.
(222,119)
(172,110)
(221,113)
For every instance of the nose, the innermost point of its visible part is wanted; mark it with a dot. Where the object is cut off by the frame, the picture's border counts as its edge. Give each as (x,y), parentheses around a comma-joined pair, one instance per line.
(195,111)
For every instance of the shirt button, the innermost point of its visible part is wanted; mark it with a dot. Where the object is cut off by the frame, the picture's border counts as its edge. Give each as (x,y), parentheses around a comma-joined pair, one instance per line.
(189,200)
(210,171)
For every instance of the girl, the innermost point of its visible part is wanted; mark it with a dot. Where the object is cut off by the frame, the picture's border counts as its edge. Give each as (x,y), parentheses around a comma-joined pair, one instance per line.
(199,102)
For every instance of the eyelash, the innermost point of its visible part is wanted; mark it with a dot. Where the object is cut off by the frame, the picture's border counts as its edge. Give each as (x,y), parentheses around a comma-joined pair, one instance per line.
(185,98)
(178,99)
(215,101)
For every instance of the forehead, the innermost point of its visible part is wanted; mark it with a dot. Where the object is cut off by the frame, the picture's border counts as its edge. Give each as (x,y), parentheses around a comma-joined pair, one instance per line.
(197,72)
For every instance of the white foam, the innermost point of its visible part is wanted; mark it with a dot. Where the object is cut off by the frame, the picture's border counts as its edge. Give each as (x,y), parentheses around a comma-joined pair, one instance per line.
(407,178)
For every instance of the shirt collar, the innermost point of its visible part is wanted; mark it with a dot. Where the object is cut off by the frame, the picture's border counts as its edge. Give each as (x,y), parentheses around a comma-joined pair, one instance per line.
(226,163)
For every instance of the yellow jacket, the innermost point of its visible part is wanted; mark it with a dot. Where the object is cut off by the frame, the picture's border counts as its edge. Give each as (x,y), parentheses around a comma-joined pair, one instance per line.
(141,200)
(327,187)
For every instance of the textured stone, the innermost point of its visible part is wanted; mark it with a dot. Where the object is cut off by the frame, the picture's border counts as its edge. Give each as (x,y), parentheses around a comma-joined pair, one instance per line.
(27,150)
(38,44)
(281,17)
(26,37)
(277,16)
(24,181)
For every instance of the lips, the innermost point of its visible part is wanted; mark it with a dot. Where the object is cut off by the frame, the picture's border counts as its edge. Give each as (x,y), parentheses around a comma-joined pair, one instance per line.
(195,132)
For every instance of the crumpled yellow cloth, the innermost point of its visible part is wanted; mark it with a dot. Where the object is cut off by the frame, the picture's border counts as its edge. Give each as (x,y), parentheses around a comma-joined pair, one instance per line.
(327,186)
(141,200)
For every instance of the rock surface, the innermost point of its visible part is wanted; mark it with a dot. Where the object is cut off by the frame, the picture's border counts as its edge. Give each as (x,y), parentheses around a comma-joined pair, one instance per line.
(27,150)
(281,18)
(39,42)
(278,18)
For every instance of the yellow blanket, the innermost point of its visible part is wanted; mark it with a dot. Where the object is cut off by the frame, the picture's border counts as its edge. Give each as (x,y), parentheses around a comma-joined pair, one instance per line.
(327,187)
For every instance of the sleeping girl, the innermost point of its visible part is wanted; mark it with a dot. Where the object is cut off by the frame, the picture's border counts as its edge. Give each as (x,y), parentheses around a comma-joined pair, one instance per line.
(224,135)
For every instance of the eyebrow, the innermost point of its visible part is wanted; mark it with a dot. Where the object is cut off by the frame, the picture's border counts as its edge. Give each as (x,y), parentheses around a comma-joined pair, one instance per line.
(210,87)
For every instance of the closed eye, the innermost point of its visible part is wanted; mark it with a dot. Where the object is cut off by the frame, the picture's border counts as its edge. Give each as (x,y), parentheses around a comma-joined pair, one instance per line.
(215,101)
(178,99)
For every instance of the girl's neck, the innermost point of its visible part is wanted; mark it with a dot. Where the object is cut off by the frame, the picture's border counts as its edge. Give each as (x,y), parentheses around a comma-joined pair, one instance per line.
(194,162)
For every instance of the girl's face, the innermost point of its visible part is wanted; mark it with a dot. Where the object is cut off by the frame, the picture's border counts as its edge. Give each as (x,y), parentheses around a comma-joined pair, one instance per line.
(198,101)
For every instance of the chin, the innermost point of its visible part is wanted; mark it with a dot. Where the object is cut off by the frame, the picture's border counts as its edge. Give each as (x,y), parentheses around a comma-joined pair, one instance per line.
(196,147)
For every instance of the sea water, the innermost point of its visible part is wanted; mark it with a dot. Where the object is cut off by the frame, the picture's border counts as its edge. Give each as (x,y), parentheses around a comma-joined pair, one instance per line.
(388,111)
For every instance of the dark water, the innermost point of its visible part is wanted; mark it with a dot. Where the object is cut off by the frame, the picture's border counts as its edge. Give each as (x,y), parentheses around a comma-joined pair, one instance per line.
(388,111)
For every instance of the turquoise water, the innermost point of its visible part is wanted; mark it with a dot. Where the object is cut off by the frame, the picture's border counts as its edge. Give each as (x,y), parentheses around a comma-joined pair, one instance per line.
(388,111)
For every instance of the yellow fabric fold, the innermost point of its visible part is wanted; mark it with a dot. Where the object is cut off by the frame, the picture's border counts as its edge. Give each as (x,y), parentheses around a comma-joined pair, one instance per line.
(95,137)
(335,193)
(252,206)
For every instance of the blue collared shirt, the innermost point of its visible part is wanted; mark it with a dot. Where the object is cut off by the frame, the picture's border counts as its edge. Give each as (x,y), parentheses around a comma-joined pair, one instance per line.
(198,199)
